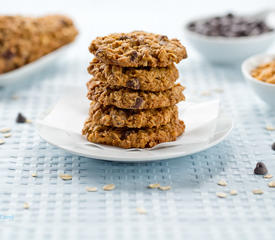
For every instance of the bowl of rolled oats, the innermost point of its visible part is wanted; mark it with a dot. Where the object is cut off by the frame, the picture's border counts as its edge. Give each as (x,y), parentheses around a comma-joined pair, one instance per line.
(259,71)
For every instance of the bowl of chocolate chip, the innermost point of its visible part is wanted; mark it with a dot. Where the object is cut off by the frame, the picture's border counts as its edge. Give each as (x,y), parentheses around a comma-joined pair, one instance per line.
(230,38)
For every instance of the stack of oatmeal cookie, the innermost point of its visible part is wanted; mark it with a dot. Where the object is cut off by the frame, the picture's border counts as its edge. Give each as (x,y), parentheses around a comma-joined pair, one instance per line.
(133,90)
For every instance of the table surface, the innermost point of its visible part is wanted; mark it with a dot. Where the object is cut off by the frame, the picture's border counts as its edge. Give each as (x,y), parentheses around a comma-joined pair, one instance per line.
(190,210)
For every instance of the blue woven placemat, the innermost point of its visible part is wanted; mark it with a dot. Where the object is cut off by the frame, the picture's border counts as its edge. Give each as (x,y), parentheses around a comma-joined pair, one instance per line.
(61,209)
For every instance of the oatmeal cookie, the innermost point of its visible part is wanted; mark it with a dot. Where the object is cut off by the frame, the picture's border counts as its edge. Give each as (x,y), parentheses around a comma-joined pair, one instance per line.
(131,99)
(115,117)
(135,137)
(25,39)
(142,78)
(138,49)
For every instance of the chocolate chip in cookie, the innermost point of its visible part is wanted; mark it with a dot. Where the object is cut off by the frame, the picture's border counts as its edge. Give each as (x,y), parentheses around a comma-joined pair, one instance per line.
(125,134)
(133,56)
(163,38)
(8,54)
(133,83)
(65,23)
(123,37)
(139,101)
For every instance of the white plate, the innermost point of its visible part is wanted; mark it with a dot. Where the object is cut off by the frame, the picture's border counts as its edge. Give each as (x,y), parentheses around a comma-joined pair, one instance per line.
(30,68)
(66,134)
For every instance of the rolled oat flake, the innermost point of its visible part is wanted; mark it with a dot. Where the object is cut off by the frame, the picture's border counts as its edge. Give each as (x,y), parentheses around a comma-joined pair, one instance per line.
(258,191)
(221,195)
(271,184)
(260,169)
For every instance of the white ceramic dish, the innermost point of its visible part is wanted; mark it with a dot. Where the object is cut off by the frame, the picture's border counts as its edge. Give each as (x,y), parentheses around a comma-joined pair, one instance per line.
(265,91)
(206,127)
(60,139)
(224,50)
(23,72)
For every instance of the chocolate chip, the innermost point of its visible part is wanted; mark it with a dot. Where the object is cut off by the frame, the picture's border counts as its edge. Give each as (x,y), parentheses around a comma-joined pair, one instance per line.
(138,103)
(124,38)
(230,15)
(20,118)
(273,146)
(133,83)
(8,54)
(192,25)
(260,169)
(133,56)
(230,26)
(125,134)
(65,23)
(163,38)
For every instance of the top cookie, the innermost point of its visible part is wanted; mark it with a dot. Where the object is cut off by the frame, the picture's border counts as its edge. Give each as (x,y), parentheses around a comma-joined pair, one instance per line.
(138,49)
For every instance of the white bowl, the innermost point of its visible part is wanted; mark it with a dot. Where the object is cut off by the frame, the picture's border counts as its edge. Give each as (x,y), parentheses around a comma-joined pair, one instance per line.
(266,91)
(224,50)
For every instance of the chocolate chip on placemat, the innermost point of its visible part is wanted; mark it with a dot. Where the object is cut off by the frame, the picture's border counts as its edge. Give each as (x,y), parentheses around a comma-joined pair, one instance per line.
(273,146)
(20,118)
(138,103)
(260,169)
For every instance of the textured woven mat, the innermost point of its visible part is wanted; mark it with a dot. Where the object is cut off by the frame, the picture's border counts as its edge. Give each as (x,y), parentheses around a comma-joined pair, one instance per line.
(190,210)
